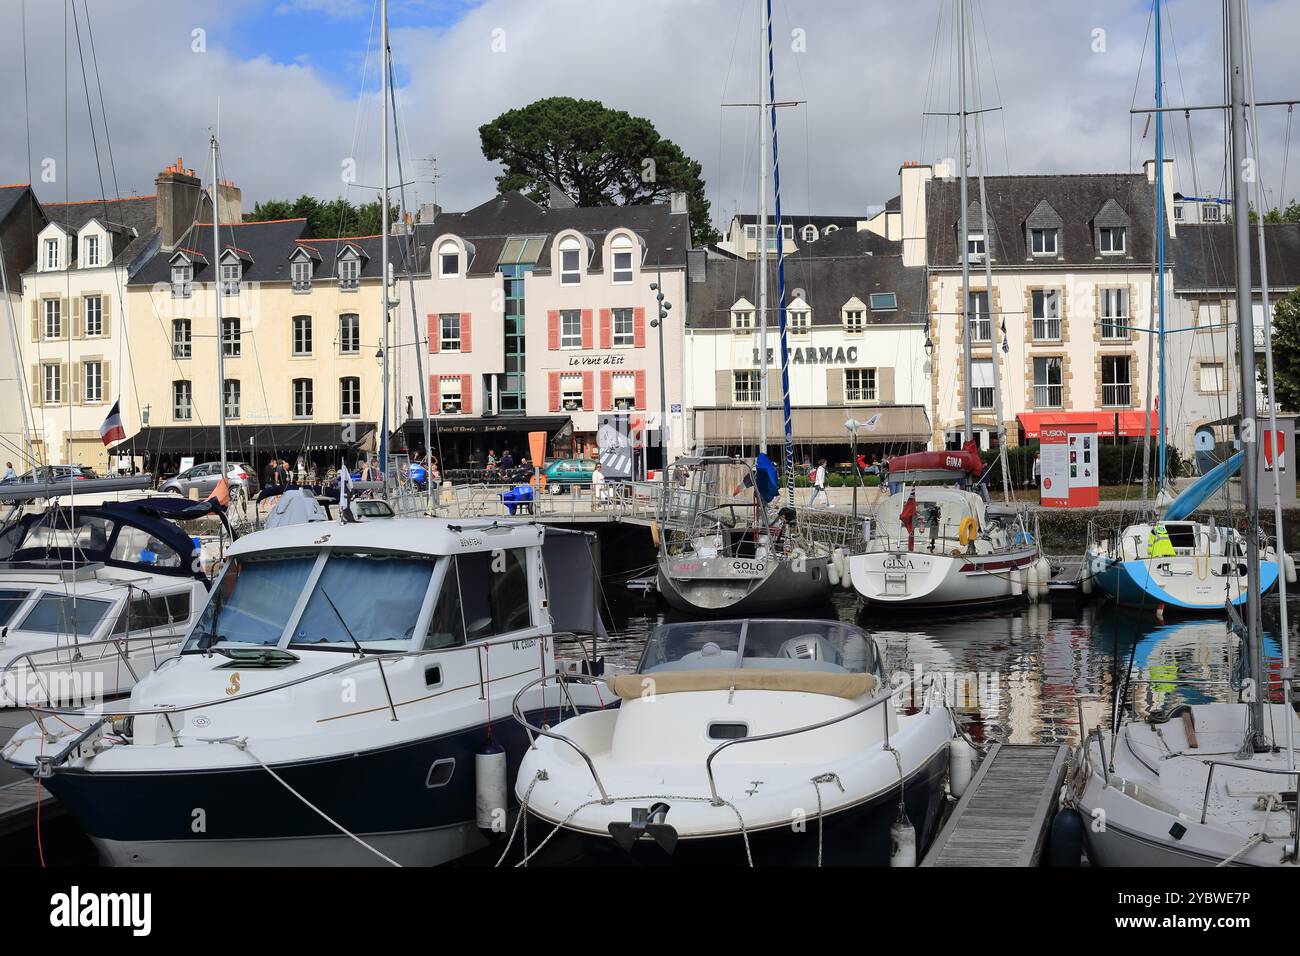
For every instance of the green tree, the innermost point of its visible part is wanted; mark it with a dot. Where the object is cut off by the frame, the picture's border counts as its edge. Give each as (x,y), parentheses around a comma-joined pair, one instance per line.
(595,155)
(1286,351)
(326,219)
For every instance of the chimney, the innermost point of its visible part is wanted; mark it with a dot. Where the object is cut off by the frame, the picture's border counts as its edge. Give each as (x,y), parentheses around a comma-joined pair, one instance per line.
(559,199)
(677,205)
(230,201)
(429,211)
(179,195)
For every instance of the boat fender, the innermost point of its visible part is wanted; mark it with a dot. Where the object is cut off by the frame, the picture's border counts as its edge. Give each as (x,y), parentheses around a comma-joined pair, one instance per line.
(961,765)
(490,799)
(1031,582)
(1288,565)
(1065,842)
(967,530)
(902,841)
(837,559)
(1017,582)
(833,574)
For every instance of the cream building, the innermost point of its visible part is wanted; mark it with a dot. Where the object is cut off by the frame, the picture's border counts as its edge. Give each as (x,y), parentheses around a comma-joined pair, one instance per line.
(21,219)
(539,317)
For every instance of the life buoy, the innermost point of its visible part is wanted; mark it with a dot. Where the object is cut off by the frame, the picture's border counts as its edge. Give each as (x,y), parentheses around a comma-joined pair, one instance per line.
(967,530)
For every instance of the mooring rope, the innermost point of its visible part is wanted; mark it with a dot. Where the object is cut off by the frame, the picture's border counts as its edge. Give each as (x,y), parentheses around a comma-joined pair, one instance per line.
(817,781)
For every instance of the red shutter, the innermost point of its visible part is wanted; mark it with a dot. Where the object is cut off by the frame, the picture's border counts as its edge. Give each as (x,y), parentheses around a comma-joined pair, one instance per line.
(606,329)
(465,340)
(435,396)
(588,391)
(466,395)
(553,331)
(588,332)
(435,332)
(553,389)
(640,389)
(638,328)
(607,391)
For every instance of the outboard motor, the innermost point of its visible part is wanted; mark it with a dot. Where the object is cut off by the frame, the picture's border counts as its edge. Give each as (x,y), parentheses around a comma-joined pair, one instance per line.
(646,823)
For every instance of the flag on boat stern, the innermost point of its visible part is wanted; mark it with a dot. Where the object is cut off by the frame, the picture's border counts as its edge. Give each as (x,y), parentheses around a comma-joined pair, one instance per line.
(112,429)
(908,514)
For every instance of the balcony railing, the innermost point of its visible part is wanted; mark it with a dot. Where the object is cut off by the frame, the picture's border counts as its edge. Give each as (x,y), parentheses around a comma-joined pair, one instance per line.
(1116,396)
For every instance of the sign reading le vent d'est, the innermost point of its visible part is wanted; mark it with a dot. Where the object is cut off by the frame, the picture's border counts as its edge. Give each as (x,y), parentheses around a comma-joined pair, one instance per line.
(815,355)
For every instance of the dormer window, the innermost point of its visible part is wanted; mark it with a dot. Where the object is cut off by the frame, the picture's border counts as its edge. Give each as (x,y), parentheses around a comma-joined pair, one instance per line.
(90,251)
(52,254)
(349,273)
(1043,242)
(570,261)
(810,233)
(182,279)
(621,253)
(742,316)
(1110,240)
(448,260)
(230,274)
(975,247)
(300,274)
(831,228)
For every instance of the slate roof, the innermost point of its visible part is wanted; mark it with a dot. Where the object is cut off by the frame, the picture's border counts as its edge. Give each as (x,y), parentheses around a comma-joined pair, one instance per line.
(131,221)
(11,198)
(799,221)
(1077,199)
(488,226)
(827,282)
(1204,257)
(850,242)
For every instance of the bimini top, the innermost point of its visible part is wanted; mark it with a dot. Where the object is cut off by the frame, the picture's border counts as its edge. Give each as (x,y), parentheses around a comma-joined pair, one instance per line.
(128,534)
(431,536)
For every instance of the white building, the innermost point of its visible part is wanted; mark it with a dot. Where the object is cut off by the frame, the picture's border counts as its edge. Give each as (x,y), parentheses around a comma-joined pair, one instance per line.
(21,218)
(537,317)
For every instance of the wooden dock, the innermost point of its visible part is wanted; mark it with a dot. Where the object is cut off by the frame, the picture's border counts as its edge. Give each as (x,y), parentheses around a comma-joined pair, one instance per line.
(18,806)
(1004,816)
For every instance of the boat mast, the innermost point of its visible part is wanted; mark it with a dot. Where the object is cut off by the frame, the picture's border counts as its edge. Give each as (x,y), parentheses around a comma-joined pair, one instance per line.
(968,429)
(1256,740)
(762,233)
(1163,410)
(1284,628)
(218,292)
(383,245)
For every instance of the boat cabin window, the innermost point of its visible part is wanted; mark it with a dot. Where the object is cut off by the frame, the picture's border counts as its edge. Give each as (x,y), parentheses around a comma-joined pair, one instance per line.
(147,612)
(89,534)
(252,601)
(368,599)
(1182,536)
(63,614)
(10,601)
(137,546)
(484,593)
(829,646)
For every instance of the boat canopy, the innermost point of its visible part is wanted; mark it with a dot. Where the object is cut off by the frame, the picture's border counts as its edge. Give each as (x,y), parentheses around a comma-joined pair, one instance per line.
(130,534)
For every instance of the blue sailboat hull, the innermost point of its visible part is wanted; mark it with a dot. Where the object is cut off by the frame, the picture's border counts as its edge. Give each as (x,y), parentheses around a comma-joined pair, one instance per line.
(1131,583)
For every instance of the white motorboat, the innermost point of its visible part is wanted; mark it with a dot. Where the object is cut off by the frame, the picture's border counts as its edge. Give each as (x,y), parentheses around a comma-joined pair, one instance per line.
(762,741)
(92,598)
(342,699)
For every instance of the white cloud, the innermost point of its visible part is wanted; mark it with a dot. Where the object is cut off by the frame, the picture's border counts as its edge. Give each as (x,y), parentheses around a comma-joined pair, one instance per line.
(866,77)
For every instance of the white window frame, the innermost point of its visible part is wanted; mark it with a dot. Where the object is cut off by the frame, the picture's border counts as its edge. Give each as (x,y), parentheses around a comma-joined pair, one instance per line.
(52,383)
(570,250)
(571,392)
(182,400)
(302,335)
(861,386)
(1213,207)
(232,388)
(350,333)
(448,251)
(981,396)
(97,313)
(53,319)
(622,328)
(621,249)
(1038,240)
(809,233)
(449,394)
(1106,237)
(349,273)
(855,321)
(300,274)
(1218,384)
(303,391)
(182,279)
(1112,392)
(623,391)
(91,396)
(182,347)
(981,320)
(350,396)
(91,250)
(449,338)
(1043,393)
(1115,318)
(746,386)
(232,342)
(976,247)
(231,274)
(742,321)
(799,321)
(1042,325)
(570,340)
(52,257)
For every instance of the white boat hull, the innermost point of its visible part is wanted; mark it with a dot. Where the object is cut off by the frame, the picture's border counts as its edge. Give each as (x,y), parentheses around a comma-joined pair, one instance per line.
(901,578)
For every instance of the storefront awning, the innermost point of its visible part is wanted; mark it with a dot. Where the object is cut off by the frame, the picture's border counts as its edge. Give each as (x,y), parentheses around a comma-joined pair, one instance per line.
(484,425)
(1130,423)
(285,438)
(890,424)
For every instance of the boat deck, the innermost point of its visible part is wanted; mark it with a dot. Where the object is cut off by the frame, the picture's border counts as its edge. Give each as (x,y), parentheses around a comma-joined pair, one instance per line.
(1003,817)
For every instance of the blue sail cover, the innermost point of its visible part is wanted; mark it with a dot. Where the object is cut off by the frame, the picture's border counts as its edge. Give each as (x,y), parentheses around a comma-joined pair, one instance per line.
(1200,490)
(765,477)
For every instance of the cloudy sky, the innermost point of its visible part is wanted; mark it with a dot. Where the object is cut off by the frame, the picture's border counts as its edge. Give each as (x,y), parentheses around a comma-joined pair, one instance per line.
(294,84)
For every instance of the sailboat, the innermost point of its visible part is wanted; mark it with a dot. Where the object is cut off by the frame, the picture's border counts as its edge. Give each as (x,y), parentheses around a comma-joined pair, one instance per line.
(720,549)
(966,556)
(1206,784)
(1190,565)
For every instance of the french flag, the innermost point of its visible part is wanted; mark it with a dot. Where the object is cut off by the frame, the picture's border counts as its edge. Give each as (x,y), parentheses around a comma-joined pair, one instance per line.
(112,429)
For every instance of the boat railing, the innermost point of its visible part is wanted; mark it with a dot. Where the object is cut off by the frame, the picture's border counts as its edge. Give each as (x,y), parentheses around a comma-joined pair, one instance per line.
(1294,809)
(76,652)
(562,680)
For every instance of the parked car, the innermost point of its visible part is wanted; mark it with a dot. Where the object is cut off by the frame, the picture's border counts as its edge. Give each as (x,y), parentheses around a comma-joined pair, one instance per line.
(57,473)
(204,477)
(569,472)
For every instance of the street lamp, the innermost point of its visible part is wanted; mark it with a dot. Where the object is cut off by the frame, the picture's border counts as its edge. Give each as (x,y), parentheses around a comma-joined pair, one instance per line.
(658,323)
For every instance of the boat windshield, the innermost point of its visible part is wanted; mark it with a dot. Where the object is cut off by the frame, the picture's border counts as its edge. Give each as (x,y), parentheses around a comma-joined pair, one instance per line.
(65,614)
(829,646)
(10,601)
(371,599)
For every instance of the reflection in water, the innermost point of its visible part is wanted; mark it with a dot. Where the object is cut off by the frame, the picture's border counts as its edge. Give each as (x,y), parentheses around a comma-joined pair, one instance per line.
(1017,675)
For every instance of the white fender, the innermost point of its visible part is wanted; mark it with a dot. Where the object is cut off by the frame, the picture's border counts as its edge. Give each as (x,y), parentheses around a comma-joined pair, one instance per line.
(1288,566)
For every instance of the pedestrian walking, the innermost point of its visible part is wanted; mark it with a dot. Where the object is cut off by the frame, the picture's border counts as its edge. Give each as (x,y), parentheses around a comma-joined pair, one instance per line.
(819,484)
